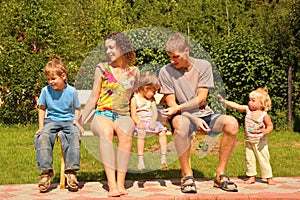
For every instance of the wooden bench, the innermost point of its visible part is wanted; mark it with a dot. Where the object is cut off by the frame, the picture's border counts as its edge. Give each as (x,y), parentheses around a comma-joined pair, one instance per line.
(83,96)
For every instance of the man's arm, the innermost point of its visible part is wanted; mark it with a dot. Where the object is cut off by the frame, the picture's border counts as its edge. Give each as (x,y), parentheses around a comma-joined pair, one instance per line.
(174,108)
(201,124)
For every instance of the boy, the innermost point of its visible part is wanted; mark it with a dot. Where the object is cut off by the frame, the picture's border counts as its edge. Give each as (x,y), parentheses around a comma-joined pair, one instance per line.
(59,109)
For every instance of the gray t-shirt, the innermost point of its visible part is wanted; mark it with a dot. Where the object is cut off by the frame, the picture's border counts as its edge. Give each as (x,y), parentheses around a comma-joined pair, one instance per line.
(185,83)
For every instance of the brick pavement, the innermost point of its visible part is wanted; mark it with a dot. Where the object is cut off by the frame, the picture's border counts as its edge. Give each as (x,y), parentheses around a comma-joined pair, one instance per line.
(285,188)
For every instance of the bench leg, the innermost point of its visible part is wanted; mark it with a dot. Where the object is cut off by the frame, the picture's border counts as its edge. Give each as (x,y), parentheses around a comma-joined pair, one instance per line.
(62,183)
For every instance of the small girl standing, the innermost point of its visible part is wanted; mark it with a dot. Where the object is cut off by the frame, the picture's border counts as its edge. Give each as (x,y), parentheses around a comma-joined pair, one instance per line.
(258,125)
(144,113)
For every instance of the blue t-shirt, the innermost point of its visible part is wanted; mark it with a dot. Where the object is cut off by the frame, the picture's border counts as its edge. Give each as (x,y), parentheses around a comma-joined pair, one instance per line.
(60,105)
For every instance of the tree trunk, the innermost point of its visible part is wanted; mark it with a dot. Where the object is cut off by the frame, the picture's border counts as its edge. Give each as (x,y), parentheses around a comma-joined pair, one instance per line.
(290,114)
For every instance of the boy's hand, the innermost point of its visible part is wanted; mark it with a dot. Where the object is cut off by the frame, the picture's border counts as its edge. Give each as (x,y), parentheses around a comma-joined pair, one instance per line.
(38,131)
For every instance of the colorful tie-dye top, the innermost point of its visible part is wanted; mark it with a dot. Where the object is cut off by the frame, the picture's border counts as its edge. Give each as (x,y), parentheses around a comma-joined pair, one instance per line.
(115,95)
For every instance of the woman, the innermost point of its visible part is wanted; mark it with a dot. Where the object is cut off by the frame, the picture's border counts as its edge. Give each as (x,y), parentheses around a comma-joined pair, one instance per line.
(112,89)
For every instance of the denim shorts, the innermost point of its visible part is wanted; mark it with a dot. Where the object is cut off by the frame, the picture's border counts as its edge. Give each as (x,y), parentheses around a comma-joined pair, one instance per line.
(210,120)
(110,114)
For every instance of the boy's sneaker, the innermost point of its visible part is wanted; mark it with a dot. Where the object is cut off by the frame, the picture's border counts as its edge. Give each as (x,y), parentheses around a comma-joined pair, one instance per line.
(71,179)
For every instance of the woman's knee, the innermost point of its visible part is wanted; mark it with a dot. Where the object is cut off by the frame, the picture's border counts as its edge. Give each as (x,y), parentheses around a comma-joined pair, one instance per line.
(125,125)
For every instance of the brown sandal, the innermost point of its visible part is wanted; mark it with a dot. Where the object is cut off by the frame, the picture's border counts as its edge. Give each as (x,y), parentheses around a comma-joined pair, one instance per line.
(71,179)
(45,180)
(184,185)
(224,184)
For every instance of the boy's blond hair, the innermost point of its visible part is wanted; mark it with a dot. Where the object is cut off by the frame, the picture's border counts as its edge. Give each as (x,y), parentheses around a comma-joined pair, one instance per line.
(176,42)
(55,66)
(262,95)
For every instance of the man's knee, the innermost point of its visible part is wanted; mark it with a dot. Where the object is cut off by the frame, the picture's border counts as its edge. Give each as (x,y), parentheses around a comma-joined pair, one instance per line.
(231,126)
(181,126)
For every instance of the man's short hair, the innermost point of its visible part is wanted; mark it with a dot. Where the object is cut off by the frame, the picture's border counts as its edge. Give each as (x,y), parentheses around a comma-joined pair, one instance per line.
(176,42)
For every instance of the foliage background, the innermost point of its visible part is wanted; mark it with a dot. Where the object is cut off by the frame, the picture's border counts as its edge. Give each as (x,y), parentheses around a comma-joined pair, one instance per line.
(250,42)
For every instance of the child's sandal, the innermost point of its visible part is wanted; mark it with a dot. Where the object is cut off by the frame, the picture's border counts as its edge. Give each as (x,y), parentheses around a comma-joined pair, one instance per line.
(45,180)
(71,179)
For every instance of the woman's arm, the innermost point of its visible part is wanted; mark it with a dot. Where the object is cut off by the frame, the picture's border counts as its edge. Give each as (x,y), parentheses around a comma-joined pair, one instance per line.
(93,98)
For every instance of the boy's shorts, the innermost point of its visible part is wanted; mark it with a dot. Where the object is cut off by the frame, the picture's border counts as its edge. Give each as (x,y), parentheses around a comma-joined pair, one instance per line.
(210,120)
(110,114)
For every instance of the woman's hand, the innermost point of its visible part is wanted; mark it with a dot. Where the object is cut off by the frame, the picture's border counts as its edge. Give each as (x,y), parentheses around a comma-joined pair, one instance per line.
(76,123)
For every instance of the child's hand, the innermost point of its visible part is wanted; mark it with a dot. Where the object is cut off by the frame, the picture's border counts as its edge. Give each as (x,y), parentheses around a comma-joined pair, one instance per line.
(141,125)
(221,99)
(152,126)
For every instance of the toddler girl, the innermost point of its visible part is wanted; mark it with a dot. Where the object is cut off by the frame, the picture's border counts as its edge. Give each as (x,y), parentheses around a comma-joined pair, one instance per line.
(258,125)
(144,113)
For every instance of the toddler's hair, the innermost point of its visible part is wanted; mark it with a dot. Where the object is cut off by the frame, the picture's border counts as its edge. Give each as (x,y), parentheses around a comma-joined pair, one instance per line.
(55,66)
(262,95)
(147,79)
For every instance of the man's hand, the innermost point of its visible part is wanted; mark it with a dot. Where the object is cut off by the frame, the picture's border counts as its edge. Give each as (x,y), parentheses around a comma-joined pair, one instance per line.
(202,126)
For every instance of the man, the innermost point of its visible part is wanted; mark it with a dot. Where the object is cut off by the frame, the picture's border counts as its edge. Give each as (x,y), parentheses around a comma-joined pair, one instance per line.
(185,84)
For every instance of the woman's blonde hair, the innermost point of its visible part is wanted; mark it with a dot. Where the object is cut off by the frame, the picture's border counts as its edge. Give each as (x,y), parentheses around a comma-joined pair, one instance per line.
(262,95)
(55,66)
(147,79)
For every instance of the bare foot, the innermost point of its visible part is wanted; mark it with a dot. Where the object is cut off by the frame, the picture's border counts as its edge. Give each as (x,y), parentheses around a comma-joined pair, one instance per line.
(271,181)
(123,191)
(141,165)
(114,192)
(163,161)
(250,180)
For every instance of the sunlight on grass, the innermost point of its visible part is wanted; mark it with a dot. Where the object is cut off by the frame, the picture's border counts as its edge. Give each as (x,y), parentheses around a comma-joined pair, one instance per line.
(18,163)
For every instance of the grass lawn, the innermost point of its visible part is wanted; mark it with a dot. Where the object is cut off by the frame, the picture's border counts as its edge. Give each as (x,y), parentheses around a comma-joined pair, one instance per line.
(18,163)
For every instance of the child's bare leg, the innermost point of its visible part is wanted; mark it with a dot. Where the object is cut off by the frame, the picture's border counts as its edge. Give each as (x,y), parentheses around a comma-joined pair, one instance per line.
(163,146)
(271,181)
(140,149)
(250,180)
